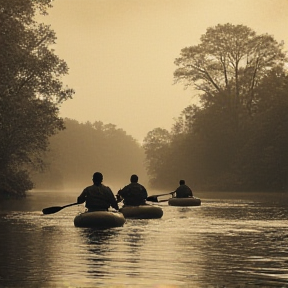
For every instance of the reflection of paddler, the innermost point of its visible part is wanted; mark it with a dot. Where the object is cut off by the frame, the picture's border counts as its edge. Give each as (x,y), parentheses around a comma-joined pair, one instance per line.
(142,211)
(188,201)
(98,197)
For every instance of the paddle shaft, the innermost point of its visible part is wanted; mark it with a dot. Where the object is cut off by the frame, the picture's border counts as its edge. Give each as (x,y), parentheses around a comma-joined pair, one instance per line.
(153,198)
(54,209)
(69,205)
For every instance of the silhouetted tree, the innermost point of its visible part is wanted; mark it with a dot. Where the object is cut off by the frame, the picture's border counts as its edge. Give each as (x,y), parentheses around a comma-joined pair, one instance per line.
(30,92)
(263,159)
(229,62)
(237,138)
(156,146)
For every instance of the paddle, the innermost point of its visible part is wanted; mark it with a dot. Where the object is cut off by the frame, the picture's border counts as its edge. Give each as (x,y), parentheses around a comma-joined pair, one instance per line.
(156,200)
(153,198)
(54,209)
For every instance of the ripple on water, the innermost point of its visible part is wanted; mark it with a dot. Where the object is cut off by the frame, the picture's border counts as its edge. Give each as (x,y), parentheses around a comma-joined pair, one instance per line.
(218,244)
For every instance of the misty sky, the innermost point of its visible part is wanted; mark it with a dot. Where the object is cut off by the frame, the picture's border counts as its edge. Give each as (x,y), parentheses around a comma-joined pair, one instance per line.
(121,53)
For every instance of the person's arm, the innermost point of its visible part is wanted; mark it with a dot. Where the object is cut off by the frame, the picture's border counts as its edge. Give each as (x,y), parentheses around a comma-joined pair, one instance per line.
(118,198)
(176,192)
(113,201)
(82,198)
(191,192)
(124,191)
(145,194)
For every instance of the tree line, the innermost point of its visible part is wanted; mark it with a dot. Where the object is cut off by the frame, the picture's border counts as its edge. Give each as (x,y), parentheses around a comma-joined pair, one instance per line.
(75,153)
(237,139)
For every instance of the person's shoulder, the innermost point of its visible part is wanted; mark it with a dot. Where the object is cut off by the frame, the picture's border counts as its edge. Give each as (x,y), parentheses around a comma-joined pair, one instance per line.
(89,187)
(105,187)
(127,186)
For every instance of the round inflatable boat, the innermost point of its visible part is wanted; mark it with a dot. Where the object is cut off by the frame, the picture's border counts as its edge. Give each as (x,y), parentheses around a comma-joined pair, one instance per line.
(142,212)
(190,201)
(99,219)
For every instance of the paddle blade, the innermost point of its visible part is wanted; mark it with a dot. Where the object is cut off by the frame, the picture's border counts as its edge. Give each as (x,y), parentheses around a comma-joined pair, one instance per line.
(51,210)
(164,200)
(152,199)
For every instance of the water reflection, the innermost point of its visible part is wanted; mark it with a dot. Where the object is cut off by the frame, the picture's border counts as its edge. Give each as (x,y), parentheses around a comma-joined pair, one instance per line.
(98,246)
(22,252)
(225,242)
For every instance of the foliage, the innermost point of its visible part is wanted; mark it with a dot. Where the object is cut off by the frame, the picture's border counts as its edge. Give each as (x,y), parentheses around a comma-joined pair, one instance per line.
(30,91)
(156,147)
(84,148)
(263,160)
(230,61)
(237,139)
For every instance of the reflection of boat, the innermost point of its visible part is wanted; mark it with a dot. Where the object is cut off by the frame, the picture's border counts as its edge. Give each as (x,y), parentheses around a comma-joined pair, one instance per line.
(99,219)
(189,201)
(142,212)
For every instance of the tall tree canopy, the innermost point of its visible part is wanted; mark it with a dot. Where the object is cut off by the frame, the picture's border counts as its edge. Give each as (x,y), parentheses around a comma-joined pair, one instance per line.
(31,91)
(229,62)
(237,139)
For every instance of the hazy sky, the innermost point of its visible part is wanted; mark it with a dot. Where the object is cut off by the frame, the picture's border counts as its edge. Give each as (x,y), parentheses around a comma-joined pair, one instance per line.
(121,53)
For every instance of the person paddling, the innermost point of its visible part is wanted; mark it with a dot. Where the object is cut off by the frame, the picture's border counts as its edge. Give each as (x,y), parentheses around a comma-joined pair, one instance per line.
(183,191)
(98,197)
(133,194)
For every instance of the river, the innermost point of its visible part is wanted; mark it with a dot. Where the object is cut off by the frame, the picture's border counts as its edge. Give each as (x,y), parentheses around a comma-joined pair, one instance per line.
(231,240)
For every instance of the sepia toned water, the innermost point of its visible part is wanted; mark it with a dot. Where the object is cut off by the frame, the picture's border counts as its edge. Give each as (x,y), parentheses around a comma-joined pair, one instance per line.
(225,242)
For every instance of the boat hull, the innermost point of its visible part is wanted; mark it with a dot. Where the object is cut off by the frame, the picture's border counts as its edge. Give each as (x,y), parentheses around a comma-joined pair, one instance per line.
(142,212)
(99,219)
(184,201)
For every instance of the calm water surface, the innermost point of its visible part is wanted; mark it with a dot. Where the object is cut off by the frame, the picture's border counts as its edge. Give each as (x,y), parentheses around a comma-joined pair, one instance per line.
(225,242)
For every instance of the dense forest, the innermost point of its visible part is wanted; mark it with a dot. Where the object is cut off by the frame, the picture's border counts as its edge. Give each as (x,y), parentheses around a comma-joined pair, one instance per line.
(31,92)
(82,149)
(237,139)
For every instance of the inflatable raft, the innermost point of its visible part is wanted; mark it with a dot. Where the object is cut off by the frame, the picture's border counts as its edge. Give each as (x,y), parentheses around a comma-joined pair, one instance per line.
(190,201)
(99,219)
(142,212)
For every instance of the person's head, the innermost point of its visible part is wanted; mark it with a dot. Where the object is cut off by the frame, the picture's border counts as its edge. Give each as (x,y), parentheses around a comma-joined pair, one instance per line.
(97,178)
(182,182)
(134,178)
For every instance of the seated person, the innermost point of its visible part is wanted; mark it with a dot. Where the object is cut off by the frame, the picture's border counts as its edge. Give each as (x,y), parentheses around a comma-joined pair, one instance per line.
(98,197)
(133,194)
(183,191)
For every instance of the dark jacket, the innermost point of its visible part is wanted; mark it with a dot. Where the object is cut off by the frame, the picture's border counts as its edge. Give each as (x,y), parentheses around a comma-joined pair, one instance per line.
(183,191)
(133,194)
(98,197)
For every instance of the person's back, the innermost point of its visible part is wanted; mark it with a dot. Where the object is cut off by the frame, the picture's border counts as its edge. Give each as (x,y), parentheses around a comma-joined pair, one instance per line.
(98,197)
(183,191)
(134,194)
